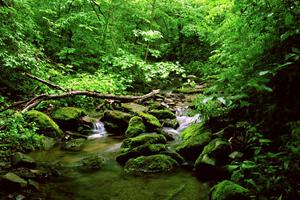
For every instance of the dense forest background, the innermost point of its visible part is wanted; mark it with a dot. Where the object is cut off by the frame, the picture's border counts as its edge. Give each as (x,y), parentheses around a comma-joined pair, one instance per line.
(245,51)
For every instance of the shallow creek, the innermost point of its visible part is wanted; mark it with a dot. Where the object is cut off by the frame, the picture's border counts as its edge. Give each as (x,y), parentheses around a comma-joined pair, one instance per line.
(110,183)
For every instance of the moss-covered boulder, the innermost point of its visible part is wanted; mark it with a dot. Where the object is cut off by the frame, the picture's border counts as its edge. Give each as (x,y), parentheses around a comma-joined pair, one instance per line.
(131,143)
(173,154)
(150,164)
(116,122)
(163,114)
(214,154)
(22,160)
(135,127)
(193,139)
(91,162)
(228,190)
(151,122)
(68,118)
(44,123)
(142,150)
(134,107)
(74,145)
(172,123)
(12,181)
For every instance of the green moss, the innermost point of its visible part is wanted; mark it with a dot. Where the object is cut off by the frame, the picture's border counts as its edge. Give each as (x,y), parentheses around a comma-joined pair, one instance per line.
(131,143)
(116,121)
(91,162)
(74,145)
(173,123)
(151,164)
(228,190)
(163,114)
(135,127)
(67,113)
(134,107)
(151,121)
(142,150)
(45,124)
(194,138)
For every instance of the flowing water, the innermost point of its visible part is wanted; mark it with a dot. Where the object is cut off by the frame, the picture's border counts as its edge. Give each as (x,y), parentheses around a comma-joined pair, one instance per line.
(110,182)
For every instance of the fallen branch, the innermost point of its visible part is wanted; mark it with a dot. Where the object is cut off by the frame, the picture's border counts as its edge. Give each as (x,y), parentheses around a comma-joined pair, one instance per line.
(48,83)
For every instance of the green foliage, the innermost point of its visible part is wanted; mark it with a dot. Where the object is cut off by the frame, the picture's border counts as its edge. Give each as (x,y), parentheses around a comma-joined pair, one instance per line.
(16,133)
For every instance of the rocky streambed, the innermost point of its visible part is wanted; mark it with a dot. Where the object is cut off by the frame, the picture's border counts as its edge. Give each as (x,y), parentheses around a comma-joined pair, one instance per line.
(145,150)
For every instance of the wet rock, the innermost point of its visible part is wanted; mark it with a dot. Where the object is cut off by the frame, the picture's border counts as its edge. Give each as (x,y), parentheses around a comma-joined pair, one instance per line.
(193,139)
(48,143)
(74,145)
(21,160)
(135,127)
(228,190)
(169,133)
(163,114)
(116,121)
(142,150)
(134,107)
(151,122)
(173,154)
(172,123)
(214,154)
(91,162)
(45,124)
(69,118)
(131,143)
(150,164)
(13,181)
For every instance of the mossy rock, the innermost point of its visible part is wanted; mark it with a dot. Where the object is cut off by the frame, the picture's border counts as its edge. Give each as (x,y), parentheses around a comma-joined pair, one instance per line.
(22,160)
(135,127)
(193,139)
(74,145)
(228,190)
(173,154)
(150,164)
(215,153)
(91,162)
(67,114)
(12,181)
(45,124)
(116,122)
(163,114)
(131,143)
(172,123)
(142,150)
(134,107)
(150,121)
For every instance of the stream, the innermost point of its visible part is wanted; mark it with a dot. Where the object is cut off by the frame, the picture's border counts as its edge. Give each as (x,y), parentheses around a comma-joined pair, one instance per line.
(110,182)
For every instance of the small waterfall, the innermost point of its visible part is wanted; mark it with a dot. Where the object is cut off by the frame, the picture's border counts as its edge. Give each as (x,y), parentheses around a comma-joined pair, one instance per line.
(98,130)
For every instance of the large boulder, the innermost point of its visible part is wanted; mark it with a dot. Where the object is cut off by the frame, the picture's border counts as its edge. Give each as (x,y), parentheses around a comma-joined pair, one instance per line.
(228,190)
(163,114)
(134,107)
(91,162)
(150,164)
(135,127)
(116,122)
(44,123)
(131,143)
(150,121)
(68,118)
(193,139)
(172,123)
(214,154)
(12,181)
(142,150)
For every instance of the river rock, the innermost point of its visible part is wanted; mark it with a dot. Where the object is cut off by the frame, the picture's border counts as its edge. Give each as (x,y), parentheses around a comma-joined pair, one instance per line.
(12,181)
(163,114)
(69,118)
(172,123)
(74,144)
(228,190)
(151,122)
(116,121)
(21,160)
(45,124)
(142,150)
(153,138)
(150,164)
(135,127)
(134,107)
(91,162)
(214,154)
(193,139)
